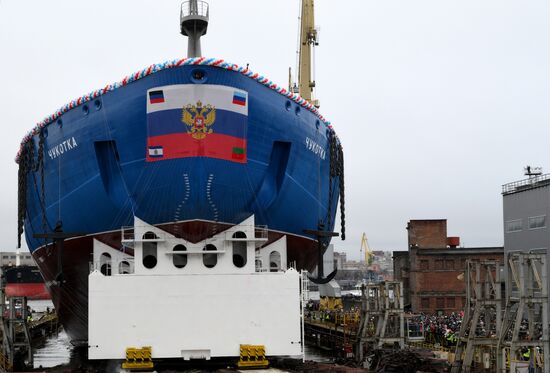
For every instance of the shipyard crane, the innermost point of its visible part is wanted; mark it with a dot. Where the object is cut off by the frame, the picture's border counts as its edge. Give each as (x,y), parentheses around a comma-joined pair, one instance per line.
(366,249)
(308,39)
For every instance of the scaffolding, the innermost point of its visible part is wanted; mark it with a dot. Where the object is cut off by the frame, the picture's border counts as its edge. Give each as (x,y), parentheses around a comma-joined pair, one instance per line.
(482,316)
(382,317)
(523,339)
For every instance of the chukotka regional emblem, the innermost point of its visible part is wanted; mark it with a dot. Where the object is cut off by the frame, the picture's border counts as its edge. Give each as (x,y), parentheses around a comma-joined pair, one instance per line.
(199,119)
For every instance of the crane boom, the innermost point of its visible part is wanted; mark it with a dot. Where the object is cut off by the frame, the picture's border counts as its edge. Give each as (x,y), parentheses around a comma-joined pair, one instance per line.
(308,40)
(366,249)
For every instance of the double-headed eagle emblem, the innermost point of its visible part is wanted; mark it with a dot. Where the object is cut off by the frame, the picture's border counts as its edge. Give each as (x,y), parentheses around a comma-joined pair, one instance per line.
(199,119)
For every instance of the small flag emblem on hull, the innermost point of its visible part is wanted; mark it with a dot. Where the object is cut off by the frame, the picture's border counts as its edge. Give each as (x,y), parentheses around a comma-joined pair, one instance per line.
(156,152)
(239,98)
(156,97)
(238,153)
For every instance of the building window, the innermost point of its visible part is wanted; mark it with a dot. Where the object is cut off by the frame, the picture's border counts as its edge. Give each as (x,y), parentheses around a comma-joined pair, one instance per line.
(149,259)
(514,225)
(124,267)
(425,303)
(440,302)
(179,261)
(239,250)
(537,222)
(274,261)
(450,303)
(449,264)
(439,264)
(424,264)
(210,260)
(105,262)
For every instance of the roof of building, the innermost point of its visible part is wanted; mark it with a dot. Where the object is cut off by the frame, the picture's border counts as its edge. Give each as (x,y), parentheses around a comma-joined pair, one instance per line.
(526,184)
(400,253)
(460,251)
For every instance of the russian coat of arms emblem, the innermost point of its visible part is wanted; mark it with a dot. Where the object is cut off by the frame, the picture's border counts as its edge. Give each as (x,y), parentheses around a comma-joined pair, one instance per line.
(199,119)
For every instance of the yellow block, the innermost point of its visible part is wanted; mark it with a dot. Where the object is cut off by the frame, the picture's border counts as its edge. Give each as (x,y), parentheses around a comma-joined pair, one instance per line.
(138,358)
(252,356)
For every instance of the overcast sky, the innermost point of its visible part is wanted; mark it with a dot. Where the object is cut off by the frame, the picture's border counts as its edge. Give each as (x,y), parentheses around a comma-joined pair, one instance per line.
(438,103)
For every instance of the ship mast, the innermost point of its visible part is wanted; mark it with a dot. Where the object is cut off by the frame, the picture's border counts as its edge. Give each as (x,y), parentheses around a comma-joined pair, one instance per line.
(308,41)
(194,22)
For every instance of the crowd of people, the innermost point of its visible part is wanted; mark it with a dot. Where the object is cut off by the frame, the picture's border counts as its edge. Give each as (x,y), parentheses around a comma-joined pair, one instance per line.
(442,329)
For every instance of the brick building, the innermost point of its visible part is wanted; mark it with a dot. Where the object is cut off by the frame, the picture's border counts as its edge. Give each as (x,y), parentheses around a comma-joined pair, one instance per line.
(432,269)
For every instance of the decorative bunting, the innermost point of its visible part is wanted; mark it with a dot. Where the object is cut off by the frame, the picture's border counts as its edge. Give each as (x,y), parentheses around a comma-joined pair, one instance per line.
(202,61)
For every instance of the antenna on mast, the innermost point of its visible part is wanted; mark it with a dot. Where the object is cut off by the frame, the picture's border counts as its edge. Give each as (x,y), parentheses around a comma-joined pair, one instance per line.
(532,171)
(194,18)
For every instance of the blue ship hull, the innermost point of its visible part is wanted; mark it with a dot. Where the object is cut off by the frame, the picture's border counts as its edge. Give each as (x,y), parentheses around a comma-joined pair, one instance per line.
(97,178)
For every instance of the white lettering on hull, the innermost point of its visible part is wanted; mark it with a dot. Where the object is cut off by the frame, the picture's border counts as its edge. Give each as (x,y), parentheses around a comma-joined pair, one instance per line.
(315,148)
(62,148)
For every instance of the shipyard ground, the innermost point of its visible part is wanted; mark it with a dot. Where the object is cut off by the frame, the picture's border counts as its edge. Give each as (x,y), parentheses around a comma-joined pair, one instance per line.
(277,366)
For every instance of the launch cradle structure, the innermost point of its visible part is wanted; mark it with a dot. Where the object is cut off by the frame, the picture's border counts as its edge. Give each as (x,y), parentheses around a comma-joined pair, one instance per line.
(382,317)
(194,300)
(510,334)
(482,315)
(525,322)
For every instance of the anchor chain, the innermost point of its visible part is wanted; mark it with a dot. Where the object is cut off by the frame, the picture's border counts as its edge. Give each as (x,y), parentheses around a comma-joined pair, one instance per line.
(342,192)
(25,166)
(336,169)
(42,189)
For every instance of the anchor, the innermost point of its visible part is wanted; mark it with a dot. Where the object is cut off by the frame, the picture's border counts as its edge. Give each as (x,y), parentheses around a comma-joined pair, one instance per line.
(58,237)
(322,244)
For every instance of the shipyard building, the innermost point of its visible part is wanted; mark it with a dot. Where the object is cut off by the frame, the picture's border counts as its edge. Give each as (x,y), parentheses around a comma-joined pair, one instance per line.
(526,205)
(432,269)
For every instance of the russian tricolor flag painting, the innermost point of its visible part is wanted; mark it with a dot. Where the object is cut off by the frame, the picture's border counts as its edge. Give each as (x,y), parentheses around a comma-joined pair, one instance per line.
(198,120)
(156,97)
(239,98)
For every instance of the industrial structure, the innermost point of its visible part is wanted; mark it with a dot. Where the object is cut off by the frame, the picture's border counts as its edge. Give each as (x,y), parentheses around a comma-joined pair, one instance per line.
(482,319)
(505,331)
(382,319)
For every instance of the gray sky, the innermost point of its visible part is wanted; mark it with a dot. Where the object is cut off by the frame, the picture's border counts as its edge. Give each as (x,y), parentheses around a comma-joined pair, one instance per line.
(437,103)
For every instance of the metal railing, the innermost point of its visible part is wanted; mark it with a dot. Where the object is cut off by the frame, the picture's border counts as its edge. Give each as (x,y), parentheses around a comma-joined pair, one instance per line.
(260,231)
(192,8)
(524,184)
